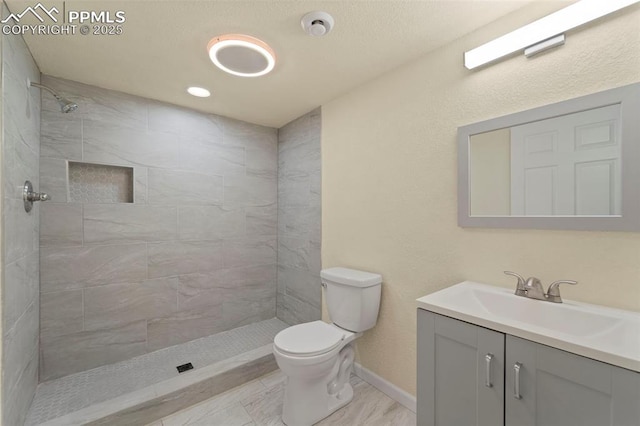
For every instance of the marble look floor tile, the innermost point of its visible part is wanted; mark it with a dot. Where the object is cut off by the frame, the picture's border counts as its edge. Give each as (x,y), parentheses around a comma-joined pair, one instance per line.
(368,405)
(231,416)
(262,401)
(273,379)
(396,415)
(266,409)
(226,402)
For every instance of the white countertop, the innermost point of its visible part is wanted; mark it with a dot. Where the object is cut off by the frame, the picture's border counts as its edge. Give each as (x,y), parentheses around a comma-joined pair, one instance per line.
(598,332)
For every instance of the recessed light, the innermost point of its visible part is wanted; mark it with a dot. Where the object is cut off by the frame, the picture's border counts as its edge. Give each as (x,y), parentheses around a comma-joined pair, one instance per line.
(241,55)
(200,92)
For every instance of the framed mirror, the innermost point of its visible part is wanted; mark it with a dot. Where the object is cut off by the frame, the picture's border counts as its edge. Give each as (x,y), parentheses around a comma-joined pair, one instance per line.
(570,165)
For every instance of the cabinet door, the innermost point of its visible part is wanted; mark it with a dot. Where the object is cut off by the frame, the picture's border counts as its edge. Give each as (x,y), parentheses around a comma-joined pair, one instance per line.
(557,388)
(460,373)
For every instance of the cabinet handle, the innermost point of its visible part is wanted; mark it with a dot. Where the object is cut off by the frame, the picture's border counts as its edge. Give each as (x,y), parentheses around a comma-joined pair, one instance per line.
(516,382)
(487,378)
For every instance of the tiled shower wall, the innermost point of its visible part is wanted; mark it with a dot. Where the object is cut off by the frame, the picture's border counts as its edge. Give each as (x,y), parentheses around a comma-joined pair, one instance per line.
(20,150)
(299,219)
(193,255)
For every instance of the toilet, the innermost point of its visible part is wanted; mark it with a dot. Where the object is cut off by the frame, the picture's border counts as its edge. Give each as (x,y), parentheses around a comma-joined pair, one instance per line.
(317,357)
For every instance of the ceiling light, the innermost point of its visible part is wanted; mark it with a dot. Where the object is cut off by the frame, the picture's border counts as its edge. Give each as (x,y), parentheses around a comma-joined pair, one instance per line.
(241,55)
(550,26)
(200,92)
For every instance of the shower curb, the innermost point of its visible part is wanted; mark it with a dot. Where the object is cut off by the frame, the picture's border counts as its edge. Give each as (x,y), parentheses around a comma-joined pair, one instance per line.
(162,399)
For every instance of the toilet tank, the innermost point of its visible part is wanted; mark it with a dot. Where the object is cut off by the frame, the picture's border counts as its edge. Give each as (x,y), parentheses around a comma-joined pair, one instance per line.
(353,297)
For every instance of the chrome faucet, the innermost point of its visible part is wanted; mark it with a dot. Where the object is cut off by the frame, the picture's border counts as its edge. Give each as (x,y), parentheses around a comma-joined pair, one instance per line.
(532,288)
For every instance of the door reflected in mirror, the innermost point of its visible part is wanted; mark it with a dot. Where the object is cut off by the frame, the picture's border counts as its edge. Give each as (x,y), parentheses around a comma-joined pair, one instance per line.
(569,165)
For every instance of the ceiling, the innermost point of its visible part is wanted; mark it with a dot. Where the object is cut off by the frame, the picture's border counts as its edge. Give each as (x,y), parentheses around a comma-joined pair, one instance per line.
(162,50)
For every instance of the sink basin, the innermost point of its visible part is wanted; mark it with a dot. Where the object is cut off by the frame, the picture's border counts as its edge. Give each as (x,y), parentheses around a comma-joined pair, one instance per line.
(562,318)
(598,332)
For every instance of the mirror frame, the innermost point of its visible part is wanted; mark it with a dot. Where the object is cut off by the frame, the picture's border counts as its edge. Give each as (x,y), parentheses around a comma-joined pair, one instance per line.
(629,99)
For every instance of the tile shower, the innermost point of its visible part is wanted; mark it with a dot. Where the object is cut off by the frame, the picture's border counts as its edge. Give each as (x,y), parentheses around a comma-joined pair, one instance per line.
(165,225)
(195,252)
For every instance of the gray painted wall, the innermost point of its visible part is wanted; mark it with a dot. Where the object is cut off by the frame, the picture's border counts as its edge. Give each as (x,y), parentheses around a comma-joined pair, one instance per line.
(20,151)
(299,219)
(195,254)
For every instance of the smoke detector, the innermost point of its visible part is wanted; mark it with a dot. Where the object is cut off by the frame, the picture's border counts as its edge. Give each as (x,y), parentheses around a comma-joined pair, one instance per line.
(317,23)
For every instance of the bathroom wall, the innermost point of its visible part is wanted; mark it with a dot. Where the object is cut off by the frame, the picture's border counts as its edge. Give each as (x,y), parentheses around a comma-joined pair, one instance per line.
(193,255)
(19,264)
(389,196)
(490,173)
(299,216)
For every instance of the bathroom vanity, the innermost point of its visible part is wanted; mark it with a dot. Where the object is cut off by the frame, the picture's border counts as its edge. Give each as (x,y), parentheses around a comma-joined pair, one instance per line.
(488,357)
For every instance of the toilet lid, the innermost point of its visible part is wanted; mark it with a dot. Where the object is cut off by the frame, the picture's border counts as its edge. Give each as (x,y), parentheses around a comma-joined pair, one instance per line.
(308,339)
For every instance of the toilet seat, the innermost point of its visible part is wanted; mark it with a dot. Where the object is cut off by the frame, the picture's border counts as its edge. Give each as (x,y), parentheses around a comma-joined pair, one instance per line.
(309,339)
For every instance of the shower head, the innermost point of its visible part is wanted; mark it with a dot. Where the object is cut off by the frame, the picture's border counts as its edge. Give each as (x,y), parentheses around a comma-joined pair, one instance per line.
(66,105)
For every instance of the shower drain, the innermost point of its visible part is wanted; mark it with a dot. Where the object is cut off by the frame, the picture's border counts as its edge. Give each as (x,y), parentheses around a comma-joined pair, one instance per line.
(184,367)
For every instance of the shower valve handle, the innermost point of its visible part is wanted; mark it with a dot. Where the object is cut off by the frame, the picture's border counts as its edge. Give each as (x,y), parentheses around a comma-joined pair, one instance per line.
(28,196)
(38,196)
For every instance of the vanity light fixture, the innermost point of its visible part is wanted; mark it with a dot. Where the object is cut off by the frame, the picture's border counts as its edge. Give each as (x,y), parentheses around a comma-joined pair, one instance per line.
(200,92)
(241,55)
(544,31)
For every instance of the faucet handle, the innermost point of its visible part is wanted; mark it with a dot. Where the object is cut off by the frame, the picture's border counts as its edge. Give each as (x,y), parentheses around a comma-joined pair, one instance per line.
(553,294)
(520,289)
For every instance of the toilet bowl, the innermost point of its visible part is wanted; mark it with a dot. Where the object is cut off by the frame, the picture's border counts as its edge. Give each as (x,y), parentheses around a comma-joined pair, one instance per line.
(317,357)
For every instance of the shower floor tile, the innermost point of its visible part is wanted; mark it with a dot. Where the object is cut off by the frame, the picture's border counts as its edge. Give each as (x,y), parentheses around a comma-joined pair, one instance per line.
(71,393)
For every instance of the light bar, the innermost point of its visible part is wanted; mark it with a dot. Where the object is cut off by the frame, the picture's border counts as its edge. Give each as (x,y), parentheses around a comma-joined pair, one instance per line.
(557,23)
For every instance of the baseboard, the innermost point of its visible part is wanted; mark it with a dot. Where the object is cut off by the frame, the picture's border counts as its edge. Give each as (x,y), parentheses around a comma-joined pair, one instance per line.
(386,387)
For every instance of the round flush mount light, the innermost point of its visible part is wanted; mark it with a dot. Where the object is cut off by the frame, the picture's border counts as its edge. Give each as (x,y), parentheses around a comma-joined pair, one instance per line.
(241,55)
(200,92)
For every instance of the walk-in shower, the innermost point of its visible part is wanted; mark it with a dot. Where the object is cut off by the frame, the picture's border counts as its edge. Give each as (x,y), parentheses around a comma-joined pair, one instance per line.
(66,105)
(131,269)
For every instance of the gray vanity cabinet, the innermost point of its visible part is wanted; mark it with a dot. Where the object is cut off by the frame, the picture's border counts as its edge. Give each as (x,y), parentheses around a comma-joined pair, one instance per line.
(558,388)
(531,384)
(466,364)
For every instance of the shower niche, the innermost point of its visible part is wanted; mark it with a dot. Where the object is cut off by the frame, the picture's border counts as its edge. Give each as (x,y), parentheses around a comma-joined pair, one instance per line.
(99,183)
